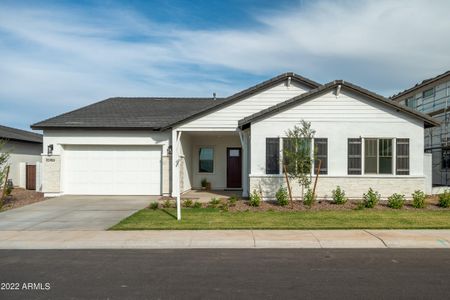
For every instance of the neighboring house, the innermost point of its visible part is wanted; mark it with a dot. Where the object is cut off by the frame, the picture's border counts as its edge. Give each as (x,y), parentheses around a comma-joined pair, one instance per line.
(25,148)
(153,146)
(432,96)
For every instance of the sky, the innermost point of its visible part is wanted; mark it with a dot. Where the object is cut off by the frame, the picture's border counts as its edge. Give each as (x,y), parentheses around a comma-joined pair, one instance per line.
(56,56)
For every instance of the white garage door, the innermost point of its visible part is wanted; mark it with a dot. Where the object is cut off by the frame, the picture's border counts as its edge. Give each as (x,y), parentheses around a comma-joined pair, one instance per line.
(112,170)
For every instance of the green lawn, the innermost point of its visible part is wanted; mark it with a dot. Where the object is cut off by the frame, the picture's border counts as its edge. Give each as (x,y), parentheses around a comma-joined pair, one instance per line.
(215,219)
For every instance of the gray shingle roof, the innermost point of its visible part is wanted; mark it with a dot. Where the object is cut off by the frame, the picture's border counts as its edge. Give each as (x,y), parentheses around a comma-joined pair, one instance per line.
(136,113)
(9,133)
(428,121)
(154,113)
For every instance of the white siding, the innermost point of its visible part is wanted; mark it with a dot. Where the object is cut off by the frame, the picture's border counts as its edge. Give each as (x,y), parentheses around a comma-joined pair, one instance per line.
(340,118)
(227,117)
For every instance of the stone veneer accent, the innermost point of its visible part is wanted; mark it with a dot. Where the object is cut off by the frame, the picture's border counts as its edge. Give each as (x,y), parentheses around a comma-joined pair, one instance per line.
(51,173)
(353,186)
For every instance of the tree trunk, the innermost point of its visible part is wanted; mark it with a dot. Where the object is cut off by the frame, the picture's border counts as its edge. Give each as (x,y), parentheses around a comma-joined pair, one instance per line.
(317,178)
(288,186)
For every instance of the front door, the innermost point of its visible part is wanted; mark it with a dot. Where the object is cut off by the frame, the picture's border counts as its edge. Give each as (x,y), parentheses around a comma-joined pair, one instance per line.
(234,168)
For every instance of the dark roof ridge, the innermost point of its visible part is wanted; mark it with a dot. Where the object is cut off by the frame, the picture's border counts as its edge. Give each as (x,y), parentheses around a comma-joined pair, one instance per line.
(419,85)
(10,133)
(305,96)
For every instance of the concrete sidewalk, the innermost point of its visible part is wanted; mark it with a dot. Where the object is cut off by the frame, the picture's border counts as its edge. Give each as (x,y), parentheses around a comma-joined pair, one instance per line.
(183,239)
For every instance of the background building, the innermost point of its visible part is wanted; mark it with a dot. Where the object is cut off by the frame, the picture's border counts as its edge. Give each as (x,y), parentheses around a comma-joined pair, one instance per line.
(432,96)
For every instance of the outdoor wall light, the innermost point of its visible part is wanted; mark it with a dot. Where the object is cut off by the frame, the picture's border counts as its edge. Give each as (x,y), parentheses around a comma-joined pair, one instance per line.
(49,149)
(169,150)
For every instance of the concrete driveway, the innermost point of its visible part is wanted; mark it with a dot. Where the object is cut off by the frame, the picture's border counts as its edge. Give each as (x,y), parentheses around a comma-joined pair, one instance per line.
(73,213)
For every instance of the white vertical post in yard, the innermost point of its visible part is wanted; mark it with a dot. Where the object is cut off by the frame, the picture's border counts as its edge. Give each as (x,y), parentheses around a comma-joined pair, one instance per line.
(176,170)
(244,154)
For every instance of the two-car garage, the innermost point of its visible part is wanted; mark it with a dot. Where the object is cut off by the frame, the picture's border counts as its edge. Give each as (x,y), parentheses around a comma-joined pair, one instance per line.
(111,170)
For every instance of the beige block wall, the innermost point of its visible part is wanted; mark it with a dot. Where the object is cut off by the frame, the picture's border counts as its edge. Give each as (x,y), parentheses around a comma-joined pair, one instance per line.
(51,174)
(354,187)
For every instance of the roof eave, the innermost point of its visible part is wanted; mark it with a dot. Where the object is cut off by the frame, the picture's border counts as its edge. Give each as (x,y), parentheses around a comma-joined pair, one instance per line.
(428,121)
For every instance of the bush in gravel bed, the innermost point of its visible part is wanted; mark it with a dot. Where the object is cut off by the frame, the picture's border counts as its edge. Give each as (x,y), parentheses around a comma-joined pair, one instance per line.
(444,199)
(418,199)
(339,196)
(187,203)
(309,198)
(197,205)
(232,200)
(224,206)
(255,199)
(167,204)
(154,205)
(371,199)
(282,196)
(213,203)
(396,201)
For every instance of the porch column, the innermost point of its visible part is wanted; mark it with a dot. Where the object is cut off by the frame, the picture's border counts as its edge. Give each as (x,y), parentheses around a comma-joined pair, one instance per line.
(244,143)
(176,170)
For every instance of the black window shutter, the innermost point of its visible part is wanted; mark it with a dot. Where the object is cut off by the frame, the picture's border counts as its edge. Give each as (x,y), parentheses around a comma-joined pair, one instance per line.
(402,165)
(321,153)
(272,156)
(354,156)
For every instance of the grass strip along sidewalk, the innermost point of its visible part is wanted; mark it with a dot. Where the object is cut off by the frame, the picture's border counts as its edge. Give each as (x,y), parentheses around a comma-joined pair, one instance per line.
(211,218)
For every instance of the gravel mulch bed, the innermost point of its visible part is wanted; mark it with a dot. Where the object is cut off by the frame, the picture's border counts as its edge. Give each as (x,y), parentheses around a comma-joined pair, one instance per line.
(322,205)
(21,197)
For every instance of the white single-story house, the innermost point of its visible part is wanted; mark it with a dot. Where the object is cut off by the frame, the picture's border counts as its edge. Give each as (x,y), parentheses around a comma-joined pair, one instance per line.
(166,146)
(25,149)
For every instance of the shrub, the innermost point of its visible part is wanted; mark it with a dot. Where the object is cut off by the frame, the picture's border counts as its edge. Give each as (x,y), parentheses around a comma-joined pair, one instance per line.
(8,190)
(418,199)
(154,205)
(224,206)
(187,203)
(396,201)
(444,199)
(167,204)
(197,205)
(232,200)
(282,196)
(204,182)
(309,198)
(360,205)
(339,196)
(255,198)
(213,203)
(371,199)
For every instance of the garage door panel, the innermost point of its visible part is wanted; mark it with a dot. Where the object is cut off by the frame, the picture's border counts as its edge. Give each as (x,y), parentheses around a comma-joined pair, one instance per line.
(112,170)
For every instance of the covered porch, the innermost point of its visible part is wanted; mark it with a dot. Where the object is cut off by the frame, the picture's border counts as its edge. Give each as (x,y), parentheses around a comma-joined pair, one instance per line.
(219,157)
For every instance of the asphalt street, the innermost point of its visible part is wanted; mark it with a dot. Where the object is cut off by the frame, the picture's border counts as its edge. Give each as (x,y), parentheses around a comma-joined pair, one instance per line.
(224,274)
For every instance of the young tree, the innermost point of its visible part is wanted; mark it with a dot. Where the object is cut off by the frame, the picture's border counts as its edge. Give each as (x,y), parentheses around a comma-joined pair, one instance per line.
(4,156)
(297,159)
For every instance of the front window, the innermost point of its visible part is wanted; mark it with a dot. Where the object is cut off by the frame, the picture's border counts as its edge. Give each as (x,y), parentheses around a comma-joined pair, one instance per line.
(206,160)
(445,159)
(428,93)
(378,156)
(296,155)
